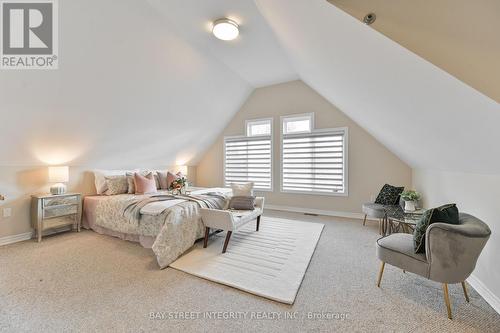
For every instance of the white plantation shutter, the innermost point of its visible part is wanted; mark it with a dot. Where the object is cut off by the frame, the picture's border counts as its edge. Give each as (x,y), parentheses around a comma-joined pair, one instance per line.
(314,162)
(248,159)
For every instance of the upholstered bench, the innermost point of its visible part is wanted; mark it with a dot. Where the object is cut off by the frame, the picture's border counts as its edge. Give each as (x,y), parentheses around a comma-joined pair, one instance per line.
(230,220)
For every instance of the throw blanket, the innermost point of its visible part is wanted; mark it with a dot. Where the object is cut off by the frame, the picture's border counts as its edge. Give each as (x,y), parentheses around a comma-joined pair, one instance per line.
(212,200)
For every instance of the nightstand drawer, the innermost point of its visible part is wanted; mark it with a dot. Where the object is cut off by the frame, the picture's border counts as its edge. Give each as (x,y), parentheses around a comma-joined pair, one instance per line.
(56,201)
(55,211)
(58,222)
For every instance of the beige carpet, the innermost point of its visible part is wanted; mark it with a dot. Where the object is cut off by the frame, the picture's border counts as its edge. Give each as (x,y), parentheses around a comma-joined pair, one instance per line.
(92,283)
(270,263)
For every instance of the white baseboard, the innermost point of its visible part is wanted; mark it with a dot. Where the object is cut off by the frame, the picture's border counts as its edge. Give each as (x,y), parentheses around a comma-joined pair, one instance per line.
(15,238)
(316,211)
(485,293)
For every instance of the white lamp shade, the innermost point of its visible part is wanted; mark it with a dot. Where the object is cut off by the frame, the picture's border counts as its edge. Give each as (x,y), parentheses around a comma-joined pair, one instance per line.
(58,174)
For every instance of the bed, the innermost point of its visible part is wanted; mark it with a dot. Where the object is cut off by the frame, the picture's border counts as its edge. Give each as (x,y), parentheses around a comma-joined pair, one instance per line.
(169,225)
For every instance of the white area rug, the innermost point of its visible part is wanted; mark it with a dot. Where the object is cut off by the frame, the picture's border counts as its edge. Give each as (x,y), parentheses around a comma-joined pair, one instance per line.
(270,263)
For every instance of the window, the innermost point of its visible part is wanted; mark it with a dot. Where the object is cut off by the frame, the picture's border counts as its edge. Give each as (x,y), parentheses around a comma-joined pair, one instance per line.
(314,162)
(249,158)
(259,127)
(298,123)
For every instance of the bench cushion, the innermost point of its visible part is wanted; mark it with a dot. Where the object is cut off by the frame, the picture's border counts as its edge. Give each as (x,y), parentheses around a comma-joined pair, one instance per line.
(242,217)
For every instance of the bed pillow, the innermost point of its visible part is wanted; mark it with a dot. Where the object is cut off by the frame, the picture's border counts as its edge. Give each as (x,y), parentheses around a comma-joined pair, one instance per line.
(116,185)
(443,214)
(162,179)
(144,184)
(130,180)
(100,178)
(389,195)
(245,190)
(242,203)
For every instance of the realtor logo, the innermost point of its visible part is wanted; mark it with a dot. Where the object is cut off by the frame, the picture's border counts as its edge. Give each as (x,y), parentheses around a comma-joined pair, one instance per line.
(29,34)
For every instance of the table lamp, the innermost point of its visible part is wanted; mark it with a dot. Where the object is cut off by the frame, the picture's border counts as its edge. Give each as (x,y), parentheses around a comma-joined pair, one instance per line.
(58,175)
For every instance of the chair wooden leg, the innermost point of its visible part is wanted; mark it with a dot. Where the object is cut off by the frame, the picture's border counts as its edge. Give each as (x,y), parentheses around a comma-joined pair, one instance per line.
(465,292)
(258,223)
(205,241)
(228,236)
(380,273)
(364,220)
(447,300)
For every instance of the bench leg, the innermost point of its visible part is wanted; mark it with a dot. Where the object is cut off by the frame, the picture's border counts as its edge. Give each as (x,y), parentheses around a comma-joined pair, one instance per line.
(228,236)
(205,241)
(258,222)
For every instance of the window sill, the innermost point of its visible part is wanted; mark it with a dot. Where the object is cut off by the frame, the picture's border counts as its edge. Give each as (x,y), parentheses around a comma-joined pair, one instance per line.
(343,194)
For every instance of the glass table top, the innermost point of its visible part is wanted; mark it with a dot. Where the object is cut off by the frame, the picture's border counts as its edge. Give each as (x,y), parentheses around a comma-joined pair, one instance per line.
(398,214)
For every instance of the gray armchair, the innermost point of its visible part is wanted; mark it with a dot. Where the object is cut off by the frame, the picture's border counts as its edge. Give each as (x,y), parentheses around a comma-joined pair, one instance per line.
(451,252)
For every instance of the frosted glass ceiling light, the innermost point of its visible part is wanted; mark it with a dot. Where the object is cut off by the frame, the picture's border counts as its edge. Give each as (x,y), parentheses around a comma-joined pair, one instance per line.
(225,29)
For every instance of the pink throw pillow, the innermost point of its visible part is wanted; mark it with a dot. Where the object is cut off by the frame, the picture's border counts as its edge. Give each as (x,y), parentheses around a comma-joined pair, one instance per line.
(144,184)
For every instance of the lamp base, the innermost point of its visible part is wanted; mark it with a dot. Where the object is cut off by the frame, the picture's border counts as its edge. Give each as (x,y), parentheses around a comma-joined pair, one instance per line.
(58,189)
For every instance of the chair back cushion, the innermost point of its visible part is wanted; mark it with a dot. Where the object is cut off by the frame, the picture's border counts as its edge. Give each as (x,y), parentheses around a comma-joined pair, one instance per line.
(443,214)
(389,195)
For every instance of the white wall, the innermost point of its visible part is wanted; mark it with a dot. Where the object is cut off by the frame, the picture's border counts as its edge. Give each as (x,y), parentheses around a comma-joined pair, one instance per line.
(478,195)
(370,163)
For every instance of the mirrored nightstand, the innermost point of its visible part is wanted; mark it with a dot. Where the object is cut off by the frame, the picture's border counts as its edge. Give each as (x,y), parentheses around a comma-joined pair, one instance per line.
(55,212)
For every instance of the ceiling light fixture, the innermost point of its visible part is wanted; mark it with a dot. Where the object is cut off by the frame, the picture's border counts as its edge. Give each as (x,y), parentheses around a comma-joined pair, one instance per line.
(225,29)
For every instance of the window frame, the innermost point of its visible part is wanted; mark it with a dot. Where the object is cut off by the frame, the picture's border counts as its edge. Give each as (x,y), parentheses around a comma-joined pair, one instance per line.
(345,132)
(309,115)
(257,121)
(236,137)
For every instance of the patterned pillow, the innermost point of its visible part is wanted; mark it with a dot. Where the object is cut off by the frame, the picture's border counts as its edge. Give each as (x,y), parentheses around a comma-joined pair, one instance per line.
(443,214)
(242,203)
(389,195)
(116,185)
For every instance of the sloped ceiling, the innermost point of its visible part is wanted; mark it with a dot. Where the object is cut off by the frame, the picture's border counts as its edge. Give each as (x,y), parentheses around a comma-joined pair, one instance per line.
(459,36)
(255,55)
(129,92)
(137,87)
(427,117)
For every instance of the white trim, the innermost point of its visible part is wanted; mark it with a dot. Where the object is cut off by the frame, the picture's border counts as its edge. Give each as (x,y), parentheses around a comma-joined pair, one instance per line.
(485,293)
(16,238)
(316,211)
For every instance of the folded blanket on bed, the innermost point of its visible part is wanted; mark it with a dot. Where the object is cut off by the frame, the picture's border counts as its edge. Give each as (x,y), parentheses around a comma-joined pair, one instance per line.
(213,200)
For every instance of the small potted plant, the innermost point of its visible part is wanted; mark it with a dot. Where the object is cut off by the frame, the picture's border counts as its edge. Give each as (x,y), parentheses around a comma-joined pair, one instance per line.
(410,197)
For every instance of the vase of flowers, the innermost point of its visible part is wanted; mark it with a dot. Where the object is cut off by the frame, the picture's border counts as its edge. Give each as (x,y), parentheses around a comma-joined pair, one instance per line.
(411,198)
(178,185)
